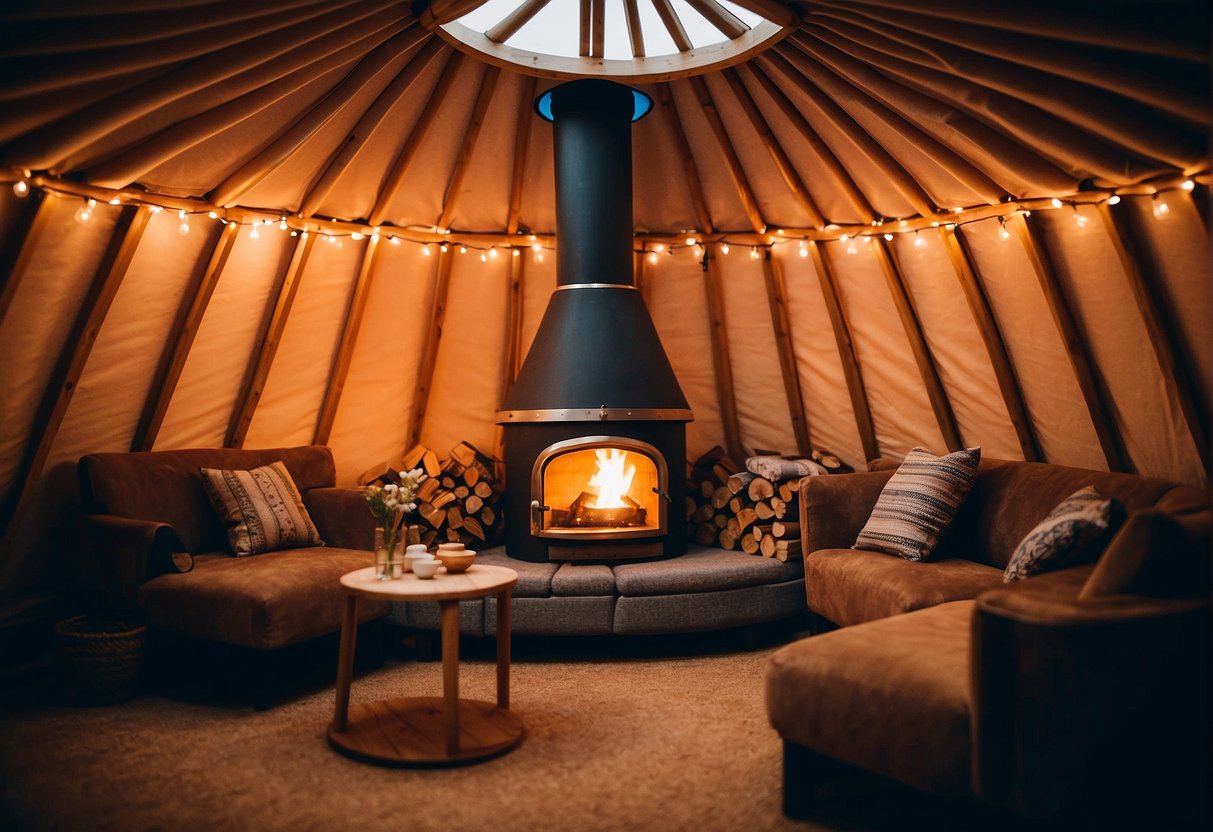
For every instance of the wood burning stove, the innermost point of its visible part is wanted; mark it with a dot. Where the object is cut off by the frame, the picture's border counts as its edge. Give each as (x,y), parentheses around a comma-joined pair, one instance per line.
(595,424)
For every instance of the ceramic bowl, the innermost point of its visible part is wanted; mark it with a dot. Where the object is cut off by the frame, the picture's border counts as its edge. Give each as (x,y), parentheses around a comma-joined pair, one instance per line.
(426,568)
(450,547)
(456,560)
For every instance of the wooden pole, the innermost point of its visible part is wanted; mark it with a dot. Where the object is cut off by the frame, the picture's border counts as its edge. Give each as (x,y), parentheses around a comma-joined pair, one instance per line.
(1094,391)
(429,355)
(918,344)
(787,170)
(665,96)
(846,352)
(781,325)
(250,394)
(522,143)
(1175,360)
(349,339)
(185,331)
(673,25)
(488,85)
(635,30)
(732,162)
(65,378)
(991,336)
(408,149)
(718,332)
(512,354)
(22,241)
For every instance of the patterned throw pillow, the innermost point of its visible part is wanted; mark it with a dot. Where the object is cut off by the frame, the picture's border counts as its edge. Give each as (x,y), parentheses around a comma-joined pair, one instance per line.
(261,508)
(1074,532)
(918,503)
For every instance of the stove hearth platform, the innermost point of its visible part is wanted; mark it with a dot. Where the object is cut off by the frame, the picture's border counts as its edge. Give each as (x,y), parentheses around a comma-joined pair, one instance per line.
(705,589)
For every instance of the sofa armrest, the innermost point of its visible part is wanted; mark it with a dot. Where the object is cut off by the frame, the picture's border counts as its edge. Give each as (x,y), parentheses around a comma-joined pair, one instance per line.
(1082,704)
(341,516)
(833,509)
(117,554)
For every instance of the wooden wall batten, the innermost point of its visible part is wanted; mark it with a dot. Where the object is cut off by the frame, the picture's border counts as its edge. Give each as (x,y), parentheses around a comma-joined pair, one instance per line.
(177,349)
(429,353)
(20,244)
(350,328)
(991,336)
(777,299)
(61,386)
(1178,365)
(725,393)
(918,344)
(1094,391)
(846,352)
(267,346)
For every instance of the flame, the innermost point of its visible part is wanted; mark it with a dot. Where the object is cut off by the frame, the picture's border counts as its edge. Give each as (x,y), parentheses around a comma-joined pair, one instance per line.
(611,479)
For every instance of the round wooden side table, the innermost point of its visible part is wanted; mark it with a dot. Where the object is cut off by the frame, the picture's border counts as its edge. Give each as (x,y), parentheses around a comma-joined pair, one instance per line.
(431,730)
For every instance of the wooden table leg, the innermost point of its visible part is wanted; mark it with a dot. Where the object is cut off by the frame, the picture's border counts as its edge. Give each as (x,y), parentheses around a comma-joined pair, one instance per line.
(503,649)
(450,673)
(345,662)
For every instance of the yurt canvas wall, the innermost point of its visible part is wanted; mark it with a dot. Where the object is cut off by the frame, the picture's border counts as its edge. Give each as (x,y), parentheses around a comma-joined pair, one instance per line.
(928,223)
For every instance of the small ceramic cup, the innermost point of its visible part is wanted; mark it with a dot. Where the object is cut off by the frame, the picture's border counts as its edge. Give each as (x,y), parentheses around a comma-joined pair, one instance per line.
(426,568)
(413,551)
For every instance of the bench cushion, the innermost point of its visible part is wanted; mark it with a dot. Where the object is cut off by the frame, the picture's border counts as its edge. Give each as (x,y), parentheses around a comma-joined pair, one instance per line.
(265,602)
(851,695)
(703,569)
(851,586)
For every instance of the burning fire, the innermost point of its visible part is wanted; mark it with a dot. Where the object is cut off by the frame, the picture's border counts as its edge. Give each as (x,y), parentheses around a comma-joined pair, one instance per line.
(611,479)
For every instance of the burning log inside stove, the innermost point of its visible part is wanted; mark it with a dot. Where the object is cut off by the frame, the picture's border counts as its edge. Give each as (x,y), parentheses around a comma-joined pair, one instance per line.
(582,514)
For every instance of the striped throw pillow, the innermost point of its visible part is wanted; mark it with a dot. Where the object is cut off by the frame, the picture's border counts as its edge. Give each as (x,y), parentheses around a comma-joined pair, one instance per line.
(261,508)
(1074,532)
(918,503)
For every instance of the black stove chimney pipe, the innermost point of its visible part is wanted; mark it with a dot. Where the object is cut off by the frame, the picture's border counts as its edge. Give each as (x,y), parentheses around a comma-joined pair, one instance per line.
(592,126)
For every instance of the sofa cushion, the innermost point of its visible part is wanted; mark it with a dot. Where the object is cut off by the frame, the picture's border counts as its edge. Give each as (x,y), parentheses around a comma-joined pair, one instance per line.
(702,569)
(265,602)
(918,502)
(1153,554)
(261,509)
(851,586)
(534,579)
(166,486)
(890,696)
(1074,532)
(583,579)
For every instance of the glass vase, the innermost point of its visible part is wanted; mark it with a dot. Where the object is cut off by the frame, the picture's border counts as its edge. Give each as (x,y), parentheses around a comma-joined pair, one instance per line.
(389,555)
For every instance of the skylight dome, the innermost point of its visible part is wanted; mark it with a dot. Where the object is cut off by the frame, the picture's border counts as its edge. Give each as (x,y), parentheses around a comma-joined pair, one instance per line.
(623,39)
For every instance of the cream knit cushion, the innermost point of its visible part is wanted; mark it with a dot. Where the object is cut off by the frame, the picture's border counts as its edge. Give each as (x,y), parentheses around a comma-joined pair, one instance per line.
(261,508)
(1074,532)
(918,503)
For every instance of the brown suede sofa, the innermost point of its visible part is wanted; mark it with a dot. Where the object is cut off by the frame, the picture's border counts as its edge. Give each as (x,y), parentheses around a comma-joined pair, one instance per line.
(145,511)
(1078,693)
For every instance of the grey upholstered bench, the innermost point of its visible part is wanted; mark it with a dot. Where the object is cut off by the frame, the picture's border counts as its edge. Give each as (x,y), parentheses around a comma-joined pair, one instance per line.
(705,589)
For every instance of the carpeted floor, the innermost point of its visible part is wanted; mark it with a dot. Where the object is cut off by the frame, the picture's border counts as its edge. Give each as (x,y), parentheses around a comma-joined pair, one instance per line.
(658,739)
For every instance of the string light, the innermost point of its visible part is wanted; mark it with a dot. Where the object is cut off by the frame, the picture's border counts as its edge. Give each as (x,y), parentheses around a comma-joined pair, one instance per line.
(691,241)
(724,248)
(21,187)
(1057,203)
(851,247)
(888,237)
(444,248)
(463,249)
(919,240)
(254,234)
(513,251)
(86,211)
(184,228)
(1114,199)
(115,201)
(484,258)
(425,250)
(1161,208)
(394,240)
(492,251)
(1187,185)
(653,257)
(754,252)
(1003,233)
(1079,219)
(213,214)
(282,222)
(355,236)
(803,249)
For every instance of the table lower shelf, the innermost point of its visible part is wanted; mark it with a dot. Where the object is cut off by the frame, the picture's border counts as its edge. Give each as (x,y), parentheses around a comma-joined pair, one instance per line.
(412,731)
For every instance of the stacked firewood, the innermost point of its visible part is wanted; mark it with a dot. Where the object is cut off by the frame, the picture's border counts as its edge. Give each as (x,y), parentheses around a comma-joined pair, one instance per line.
(753,507)
(458,500)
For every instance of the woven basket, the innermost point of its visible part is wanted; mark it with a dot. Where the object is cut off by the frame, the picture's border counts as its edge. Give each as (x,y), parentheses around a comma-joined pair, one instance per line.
(99,660)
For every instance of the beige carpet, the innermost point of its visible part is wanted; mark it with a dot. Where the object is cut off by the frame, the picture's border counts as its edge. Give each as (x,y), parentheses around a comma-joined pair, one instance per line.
(640,742)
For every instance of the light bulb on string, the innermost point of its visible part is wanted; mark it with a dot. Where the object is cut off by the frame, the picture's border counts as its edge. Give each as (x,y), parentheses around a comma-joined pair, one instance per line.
(1114,199)
(1161,208)
(754,252)
(919,240)
(888,237)
(213,214)
(86,211)
(463,249)
(394,240)
(1003,233)
(484,258)
(356,236)
(653,258)
(255,234)
(115,201)
(803,249)
(539,256)
(659,247)
(1187,185)
(184,227)
(851,247)
(515,252)
(691,241)
(425,250)
(492,251)
(21,188)
(282,222)
(724,248)
(1057,203)
(1079,219)
(444,248)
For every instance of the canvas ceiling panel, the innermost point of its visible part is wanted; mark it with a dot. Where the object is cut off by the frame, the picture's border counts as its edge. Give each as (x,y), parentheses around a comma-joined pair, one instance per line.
(661,197)
(1152,423)
(775,201)
(372,420)
(823,384)
(202,406)
(200,168)
(465,392)
(723,204)
(956,345)
(483,200)
(762,402)
(420,198)
(294,389)
(538,210)
(538,283)
(679,308)
(34,331)
(354,193)
(1050,389)
(897,397)
(117,379)
(287,183)
(27,113)
(1179,245)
